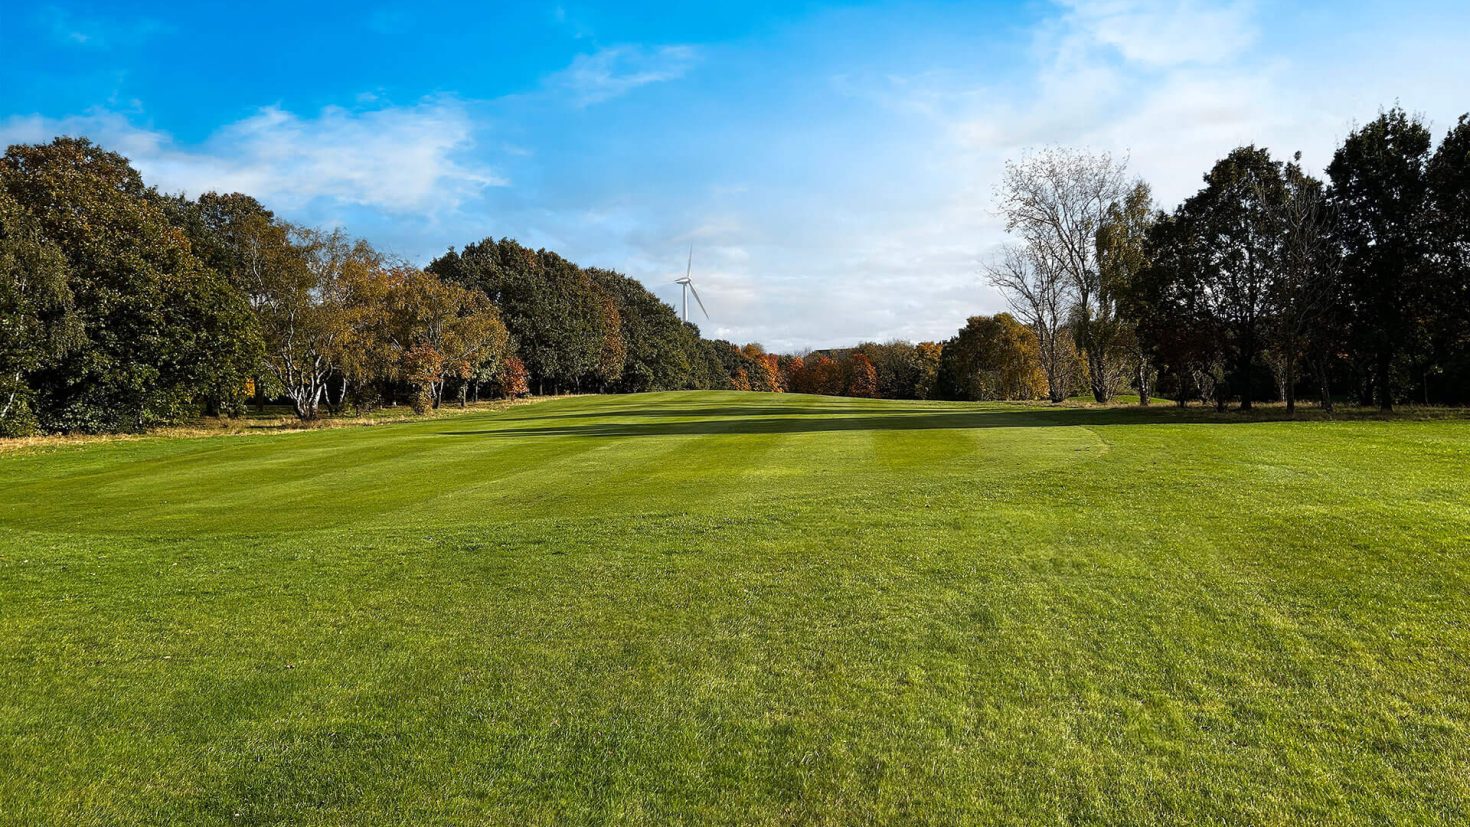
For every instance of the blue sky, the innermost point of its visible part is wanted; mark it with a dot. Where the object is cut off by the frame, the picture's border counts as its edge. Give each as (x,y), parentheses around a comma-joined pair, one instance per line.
(833,165)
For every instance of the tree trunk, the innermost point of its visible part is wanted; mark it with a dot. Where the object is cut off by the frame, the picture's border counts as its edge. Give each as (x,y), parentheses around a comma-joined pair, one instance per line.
(1097,366)
(1140,378)
(1096,373)
(1380,378)
(4,412)
(305,402)
(1243,371)
(1289,385)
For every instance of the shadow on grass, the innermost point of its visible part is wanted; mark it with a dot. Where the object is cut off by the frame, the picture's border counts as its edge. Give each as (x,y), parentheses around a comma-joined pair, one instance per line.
(793,419)
(724,411)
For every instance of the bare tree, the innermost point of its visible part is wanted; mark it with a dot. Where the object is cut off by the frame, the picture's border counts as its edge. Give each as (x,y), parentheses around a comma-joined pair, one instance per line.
(1304,288)
(1056,200)
(1040,294)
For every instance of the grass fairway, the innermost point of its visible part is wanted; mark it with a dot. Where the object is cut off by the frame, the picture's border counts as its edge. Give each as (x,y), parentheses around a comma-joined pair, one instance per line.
(726,607)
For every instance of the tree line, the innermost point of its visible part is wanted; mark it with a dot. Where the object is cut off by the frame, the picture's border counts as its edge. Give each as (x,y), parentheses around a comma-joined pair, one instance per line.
(1265,284)
(122,307)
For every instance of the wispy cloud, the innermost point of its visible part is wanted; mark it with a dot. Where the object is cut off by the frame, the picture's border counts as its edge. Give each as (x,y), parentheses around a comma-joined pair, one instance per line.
(1173,85)
(836,177)
(98,32)
(1164,32)
(617,70)
(401,159)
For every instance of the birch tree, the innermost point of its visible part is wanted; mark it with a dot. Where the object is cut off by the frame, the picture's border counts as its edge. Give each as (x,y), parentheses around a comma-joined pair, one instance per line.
(308,316)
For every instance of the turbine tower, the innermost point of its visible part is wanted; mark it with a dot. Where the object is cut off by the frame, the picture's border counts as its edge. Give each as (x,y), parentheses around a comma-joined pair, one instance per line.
(688,287)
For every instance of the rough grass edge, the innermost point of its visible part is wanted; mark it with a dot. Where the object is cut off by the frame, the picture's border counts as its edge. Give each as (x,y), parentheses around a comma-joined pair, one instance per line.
(248,426)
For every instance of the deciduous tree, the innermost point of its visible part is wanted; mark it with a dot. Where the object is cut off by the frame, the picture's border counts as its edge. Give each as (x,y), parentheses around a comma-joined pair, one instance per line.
(1448,283)
(313,316)
(1057,200)
(1306,282)
(1378,194)
(38,327)
(862,378)
(992,357)
(1122,254)
(1039,293)
(159,330)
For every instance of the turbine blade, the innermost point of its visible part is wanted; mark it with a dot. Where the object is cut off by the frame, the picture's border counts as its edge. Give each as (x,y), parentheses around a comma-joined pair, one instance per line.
(696,298)
(689,268)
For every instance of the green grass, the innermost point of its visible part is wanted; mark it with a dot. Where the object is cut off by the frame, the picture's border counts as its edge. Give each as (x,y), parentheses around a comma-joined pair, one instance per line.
(723,607)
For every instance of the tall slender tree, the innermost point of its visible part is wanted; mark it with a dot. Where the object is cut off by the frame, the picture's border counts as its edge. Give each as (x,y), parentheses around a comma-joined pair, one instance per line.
(1306,282)
(1378,194)
(1122,254)
(1449,259)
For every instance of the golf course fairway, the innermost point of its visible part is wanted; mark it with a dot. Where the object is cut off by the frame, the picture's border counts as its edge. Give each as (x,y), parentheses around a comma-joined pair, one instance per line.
(723,607)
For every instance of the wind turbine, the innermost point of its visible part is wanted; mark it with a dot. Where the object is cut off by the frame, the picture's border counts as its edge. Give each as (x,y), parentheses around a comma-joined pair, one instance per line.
(688,287)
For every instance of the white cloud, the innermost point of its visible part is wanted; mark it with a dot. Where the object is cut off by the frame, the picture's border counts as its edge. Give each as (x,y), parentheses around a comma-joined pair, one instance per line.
(401,159)
(617,70)
(835,200)
(1172,86)
(1165,33)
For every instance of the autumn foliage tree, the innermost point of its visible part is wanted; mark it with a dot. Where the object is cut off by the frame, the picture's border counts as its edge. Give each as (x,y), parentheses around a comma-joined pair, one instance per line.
(760,369)
(308,317)
(511,379)
(928,356)
(992,357)
(443,332)
(819,374)
(862,378)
